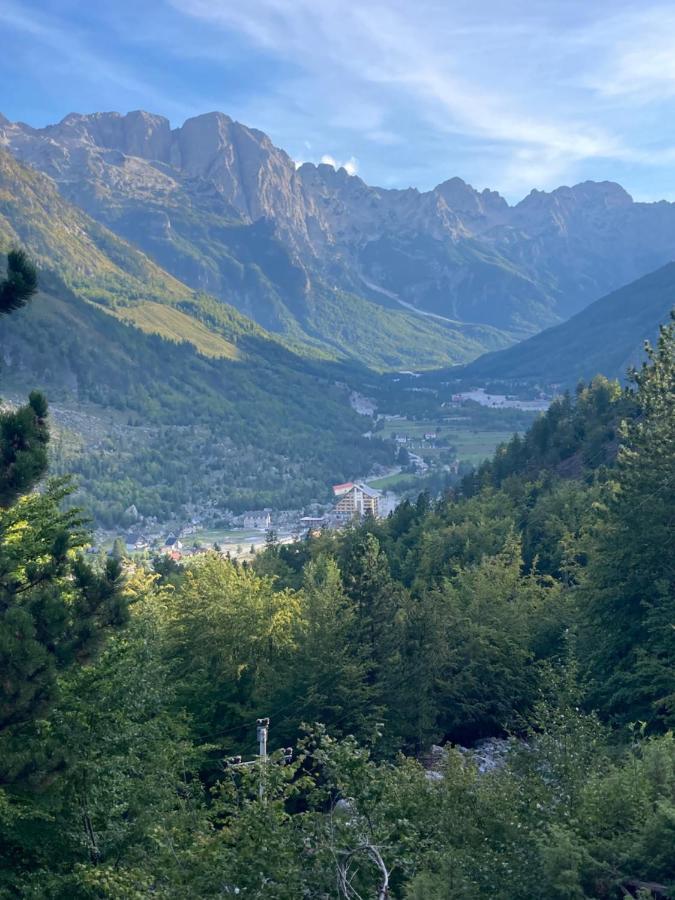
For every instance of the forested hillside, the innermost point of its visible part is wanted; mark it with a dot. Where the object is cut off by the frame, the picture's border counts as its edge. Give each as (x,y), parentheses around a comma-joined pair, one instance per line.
(534,607)
(604,339)
(152,421)
(165,398)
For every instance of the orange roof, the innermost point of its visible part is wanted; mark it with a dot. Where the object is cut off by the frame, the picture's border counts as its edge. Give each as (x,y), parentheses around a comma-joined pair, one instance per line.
(342,488)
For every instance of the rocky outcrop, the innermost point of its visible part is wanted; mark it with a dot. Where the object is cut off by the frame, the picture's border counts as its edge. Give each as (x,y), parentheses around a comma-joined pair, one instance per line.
(191,196)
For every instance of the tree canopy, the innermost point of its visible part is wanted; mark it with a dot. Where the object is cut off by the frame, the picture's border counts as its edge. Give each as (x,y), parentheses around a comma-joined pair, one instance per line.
(471,699)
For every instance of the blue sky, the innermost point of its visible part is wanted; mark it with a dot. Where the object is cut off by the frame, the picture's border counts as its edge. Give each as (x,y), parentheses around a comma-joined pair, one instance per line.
(507,94)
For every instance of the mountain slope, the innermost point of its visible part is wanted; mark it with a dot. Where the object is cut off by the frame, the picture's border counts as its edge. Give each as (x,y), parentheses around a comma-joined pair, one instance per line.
(225,211)
(92,259)
(164,398)
(607,337)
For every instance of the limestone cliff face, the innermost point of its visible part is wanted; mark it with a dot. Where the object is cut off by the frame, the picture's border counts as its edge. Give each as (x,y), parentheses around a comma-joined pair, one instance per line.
(193,197)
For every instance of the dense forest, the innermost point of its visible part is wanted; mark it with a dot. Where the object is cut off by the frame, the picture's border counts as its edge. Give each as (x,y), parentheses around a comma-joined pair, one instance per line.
(579,347)
(164,397)
(534,606)
(159,424)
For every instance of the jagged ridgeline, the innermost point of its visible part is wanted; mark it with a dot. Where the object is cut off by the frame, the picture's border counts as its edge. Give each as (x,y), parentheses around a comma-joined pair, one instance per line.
(205,297)
(219,207)
(162,396)
(394,278)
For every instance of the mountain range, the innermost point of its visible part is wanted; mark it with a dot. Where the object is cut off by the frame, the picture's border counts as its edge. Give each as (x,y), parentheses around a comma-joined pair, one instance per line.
(164,399)
(208,307)
(327,261)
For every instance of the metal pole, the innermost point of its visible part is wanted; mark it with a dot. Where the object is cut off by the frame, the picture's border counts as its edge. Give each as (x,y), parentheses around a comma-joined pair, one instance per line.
(263,726)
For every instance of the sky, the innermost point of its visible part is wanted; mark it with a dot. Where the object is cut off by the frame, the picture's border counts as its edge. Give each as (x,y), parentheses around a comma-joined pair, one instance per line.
(506,94)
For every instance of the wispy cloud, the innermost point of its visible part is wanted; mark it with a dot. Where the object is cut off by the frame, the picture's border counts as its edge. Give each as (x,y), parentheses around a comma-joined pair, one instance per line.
(529,85)
(378,50)
(636,55)
(504,93)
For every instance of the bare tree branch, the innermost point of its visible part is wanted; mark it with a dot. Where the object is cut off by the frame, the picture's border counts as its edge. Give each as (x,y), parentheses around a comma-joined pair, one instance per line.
(344,880)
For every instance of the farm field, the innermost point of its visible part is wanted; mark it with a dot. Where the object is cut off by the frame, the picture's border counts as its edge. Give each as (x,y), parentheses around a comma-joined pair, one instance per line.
(473,444)
(390,482)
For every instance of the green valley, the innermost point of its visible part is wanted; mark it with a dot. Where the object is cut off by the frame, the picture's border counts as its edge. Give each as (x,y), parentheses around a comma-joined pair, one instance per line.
(176,403)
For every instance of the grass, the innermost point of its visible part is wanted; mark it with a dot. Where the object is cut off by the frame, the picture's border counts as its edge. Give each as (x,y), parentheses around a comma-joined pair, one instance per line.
(473,444)
(175,325)
(390,482)
(225,536)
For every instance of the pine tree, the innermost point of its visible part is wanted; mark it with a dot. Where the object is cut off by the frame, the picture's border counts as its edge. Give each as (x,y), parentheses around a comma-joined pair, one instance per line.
(54,612)
(24,436)
(328,682)
(23,432)
(377,599)
(119,550)
(20,283)
(54,608)
(630,588)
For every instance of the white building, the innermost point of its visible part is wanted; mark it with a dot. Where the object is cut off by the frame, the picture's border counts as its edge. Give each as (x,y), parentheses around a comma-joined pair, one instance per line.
(356,499)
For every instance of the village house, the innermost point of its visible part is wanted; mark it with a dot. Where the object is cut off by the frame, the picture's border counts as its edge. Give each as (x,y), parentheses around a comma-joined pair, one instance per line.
(258,519)
(134,542)
(172,544)
(312,524)
(419,464)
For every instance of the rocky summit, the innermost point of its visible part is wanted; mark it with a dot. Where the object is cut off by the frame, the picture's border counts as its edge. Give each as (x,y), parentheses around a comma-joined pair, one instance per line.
(299,248)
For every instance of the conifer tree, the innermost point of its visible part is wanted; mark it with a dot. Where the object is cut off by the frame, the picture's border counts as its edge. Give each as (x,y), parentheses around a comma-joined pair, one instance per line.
(54,608)
(24,436)
(329,677)
(20,283)
(23,432)
(377,599)
(631,584)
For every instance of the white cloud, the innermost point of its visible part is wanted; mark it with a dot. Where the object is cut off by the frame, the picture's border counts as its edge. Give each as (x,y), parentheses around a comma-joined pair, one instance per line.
(536,89)
(636,56)
(350,166)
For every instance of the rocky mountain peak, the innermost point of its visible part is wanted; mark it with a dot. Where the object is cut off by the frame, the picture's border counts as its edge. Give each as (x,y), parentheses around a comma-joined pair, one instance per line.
(212,132)
(243,163)
(588,202)
(493,199)
(587,193)
(459,195)
(453,251)
(137,133)
(462,197)
(607,193)
(146,135)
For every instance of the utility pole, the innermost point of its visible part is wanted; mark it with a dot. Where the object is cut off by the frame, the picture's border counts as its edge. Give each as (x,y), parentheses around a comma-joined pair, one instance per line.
(263,726)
